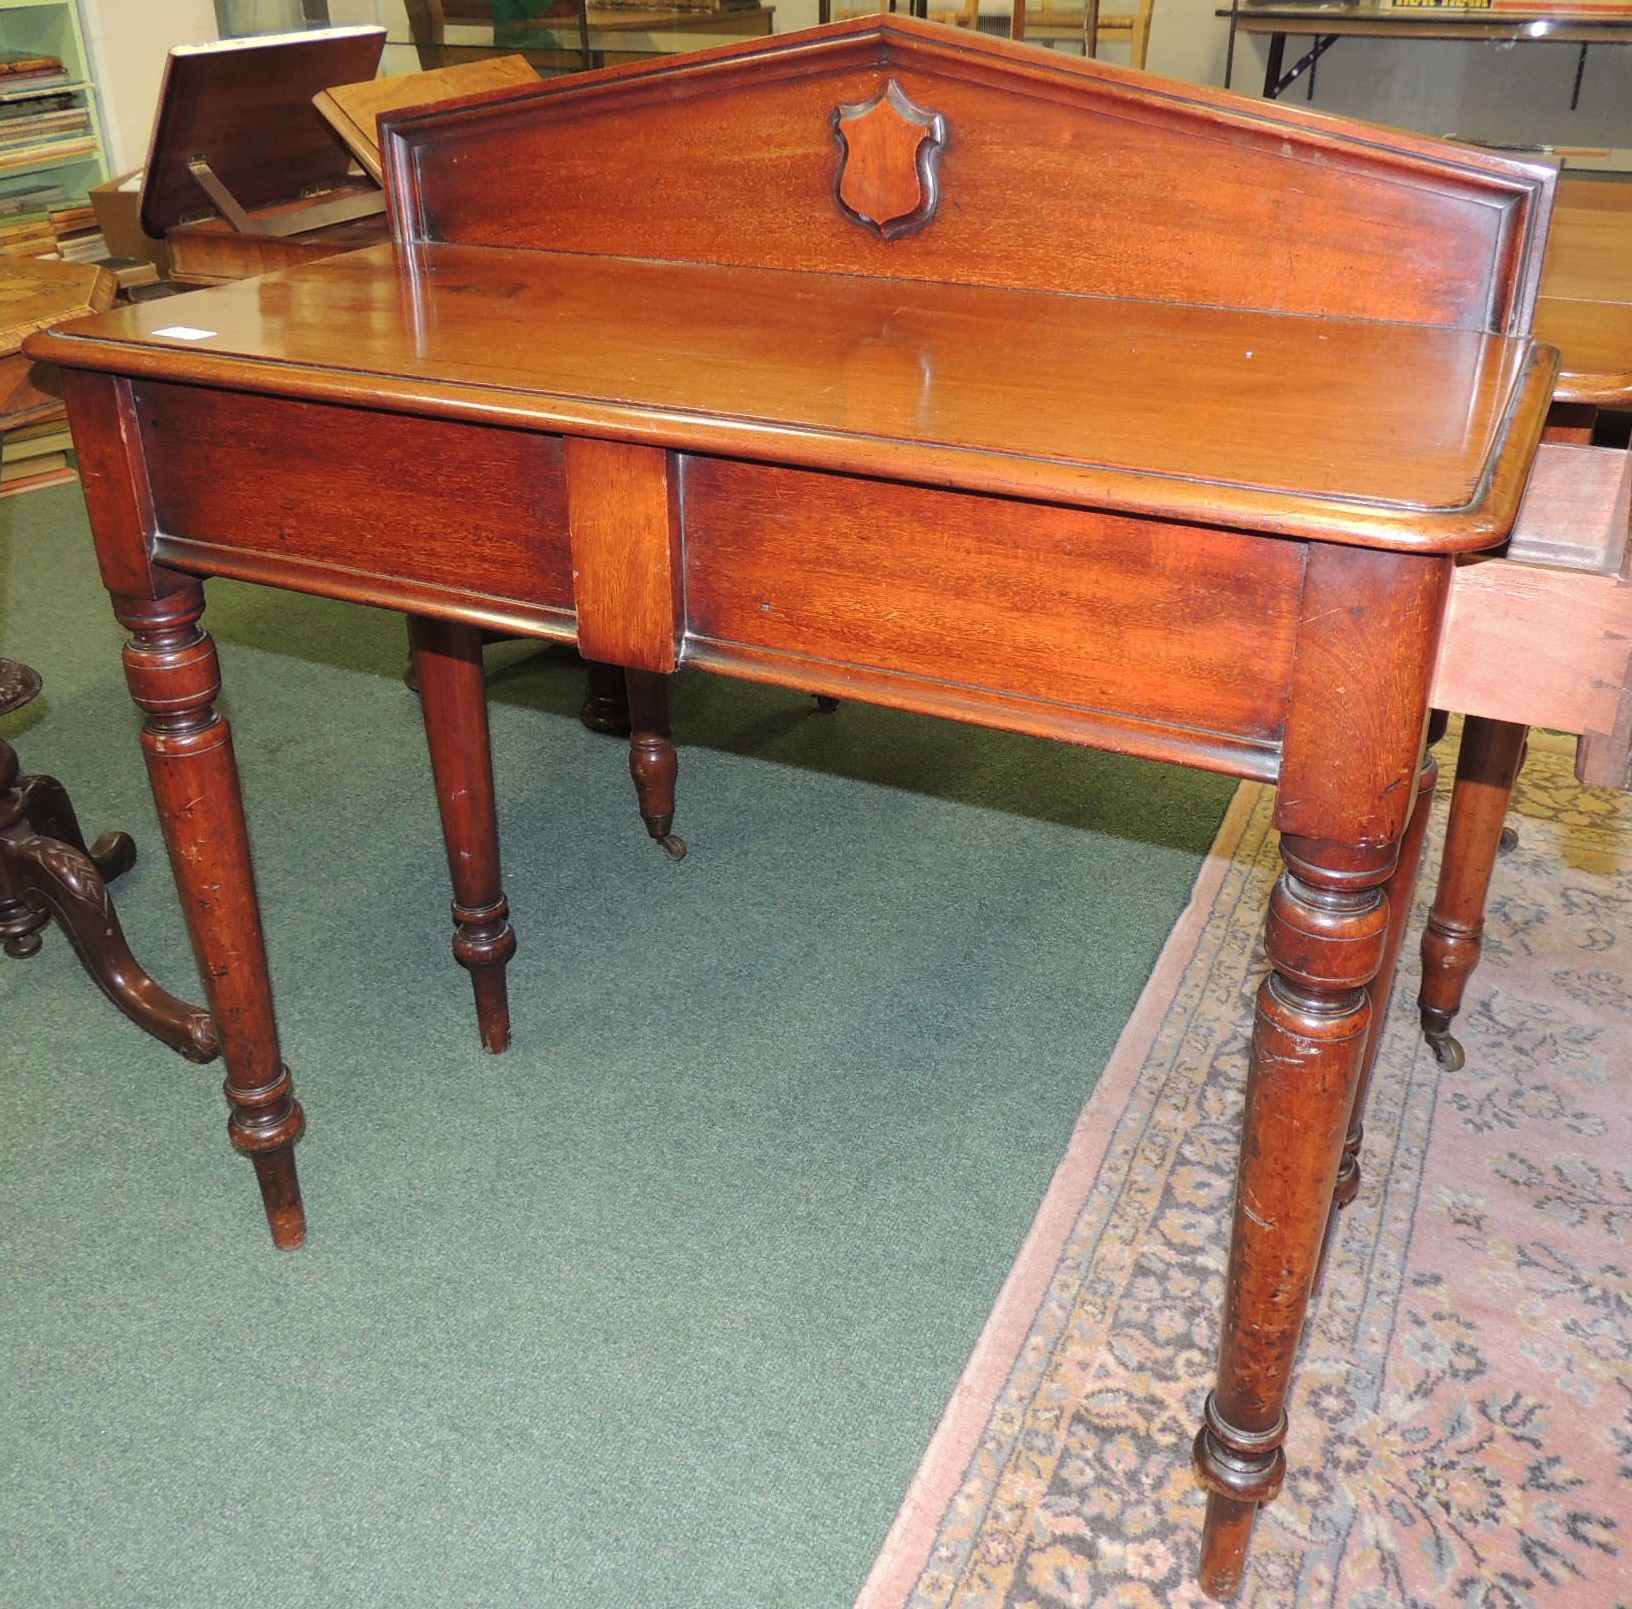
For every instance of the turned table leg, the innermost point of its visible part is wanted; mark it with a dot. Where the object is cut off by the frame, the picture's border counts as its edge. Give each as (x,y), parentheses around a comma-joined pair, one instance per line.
(606,700)
(1400,892)
(171,665)
(453,696)
(653,762)
(1326,937)
(1351,796)
(1487,767)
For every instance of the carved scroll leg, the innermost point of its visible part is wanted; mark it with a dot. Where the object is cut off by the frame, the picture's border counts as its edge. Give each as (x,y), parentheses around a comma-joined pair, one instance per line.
(606,700)
(453,694)
(49,811)
(1400,892)
(1486,769)
(653,762)
(1325,941)
(174,676)
(55,876)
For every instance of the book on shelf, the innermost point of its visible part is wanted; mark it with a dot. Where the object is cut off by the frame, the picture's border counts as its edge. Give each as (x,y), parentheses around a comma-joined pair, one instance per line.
(29,103)
(46,151)
(60,125)
(27,63)
(36,198)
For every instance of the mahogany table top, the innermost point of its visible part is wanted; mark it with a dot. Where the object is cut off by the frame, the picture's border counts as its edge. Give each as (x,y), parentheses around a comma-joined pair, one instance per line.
(1291,423)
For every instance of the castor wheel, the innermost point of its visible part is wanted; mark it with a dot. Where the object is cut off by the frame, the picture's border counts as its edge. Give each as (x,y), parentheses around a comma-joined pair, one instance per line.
(672,845)
(1436,1030)
(824,704)
(1508,841)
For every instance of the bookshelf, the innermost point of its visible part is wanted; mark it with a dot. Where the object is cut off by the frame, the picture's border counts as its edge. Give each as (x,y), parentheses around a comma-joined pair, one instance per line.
(51,149)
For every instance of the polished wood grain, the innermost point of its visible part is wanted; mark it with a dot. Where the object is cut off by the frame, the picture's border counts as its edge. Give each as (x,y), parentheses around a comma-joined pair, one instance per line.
(1187,480)
(1181,412)
(245,107)
(1302,214)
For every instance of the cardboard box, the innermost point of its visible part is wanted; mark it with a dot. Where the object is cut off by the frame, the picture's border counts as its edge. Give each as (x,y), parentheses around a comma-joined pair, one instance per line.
(118,206)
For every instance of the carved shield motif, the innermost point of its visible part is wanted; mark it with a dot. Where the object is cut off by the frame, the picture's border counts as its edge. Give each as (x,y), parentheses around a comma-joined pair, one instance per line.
(888,167)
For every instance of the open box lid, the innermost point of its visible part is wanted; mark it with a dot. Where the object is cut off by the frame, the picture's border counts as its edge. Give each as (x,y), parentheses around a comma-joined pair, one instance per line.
(245,107)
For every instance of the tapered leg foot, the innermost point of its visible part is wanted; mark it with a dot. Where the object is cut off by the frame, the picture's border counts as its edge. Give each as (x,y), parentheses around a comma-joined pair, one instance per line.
(1241,1472)
(453,697)
(1487,768)
(267,1137)
(1325,940)
(653,762)
(174,676)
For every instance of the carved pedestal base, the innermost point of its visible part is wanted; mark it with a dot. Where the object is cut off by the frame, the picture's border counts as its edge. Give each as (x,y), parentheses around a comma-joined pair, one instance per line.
(47,870)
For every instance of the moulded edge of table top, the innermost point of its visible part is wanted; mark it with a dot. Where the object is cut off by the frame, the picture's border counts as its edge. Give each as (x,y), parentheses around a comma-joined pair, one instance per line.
(126,343)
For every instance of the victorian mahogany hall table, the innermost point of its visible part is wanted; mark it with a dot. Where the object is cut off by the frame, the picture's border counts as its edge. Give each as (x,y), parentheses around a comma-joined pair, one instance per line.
(885,362)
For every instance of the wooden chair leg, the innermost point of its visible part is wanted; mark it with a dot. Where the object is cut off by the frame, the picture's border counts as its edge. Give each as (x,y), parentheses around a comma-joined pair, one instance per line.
(453,697)
(653,762)
(174,676)
(1487,767)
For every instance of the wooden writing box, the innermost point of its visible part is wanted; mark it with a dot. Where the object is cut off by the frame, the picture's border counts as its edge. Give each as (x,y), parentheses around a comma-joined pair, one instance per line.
(244,175)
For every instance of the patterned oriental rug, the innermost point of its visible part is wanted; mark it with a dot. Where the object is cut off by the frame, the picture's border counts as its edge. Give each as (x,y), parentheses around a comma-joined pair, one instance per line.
(1462,1424)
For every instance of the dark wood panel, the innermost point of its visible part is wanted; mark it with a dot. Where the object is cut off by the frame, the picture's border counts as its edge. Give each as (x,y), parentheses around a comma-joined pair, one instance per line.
(1183,626)
(443,504)
(1057,175)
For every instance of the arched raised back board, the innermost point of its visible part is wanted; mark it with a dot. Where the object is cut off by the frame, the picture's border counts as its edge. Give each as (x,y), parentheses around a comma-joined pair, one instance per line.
(1057,174)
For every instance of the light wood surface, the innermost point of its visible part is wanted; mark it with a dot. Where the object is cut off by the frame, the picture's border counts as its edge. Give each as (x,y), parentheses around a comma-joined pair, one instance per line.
(352,110)
(1586,292)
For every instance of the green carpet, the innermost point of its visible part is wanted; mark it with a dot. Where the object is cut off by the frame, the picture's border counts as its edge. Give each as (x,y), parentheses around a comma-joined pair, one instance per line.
(661,1307)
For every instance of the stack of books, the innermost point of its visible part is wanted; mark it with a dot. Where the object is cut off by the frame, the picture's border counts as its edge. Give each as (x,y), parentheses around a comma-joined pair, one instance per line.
(35,456)
(44,221)
(39,122)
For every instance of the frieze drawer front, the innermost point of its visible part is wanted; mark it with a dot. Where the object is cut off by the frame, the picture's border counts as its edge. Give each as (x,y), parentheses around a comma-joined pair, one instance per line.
(248,480)
(1180,626)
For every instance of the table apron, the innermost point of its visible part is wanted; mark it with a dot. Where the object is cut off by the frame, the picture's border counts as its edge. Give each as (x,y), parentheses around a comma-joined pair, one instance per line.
(1141,635)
